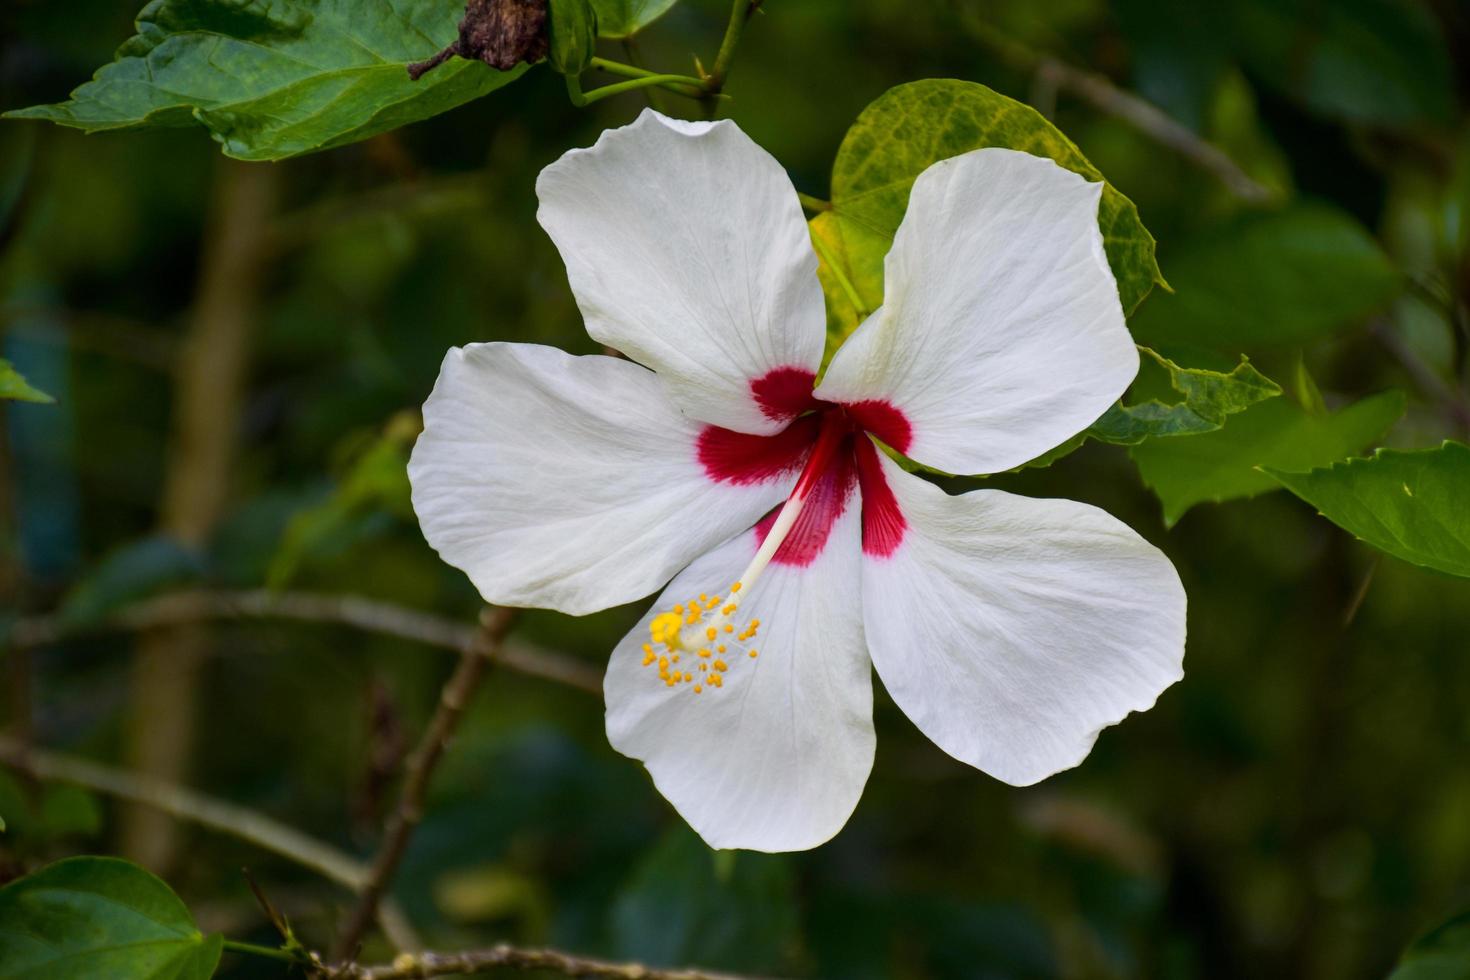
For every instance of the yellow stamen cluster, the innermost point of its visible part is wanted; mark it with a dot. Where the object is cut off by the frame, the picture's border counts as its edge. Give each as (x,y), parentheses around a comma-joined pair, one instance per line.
(693,627)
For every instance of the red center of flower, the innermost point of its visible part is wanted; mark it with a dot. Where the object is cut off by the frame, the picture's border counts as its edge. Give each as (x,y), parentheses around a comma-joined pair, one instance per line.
(827,442)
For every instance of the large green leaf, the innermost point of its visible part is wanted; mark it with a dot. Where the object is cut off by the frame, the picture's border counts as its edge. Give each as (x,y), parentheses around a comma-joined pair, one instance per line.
(1222,465)
(275,80)
(88,917)
(912,126)
(621,18)
(1414,505)
(14,386)
(1281,277)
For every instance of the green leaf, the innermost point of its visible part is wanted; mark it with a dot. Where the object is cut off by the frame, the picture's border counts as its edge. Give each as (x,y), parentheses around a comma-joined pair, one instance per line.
(912,126)
(276,80)
(1222,465)
(43,815)
(1209,397)
(1443,953)
(91,917)
(1415,505)
(1266,278)
(621,18)
(572,25)
(687,904)
(14,386)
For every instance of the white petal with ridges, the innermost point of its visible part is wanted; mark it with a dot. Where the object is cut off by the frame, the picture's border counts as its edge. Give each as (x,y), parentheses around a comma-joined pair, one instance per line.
(687,250)
(564,482)
(1001,333)
(776,759)
(1013,630)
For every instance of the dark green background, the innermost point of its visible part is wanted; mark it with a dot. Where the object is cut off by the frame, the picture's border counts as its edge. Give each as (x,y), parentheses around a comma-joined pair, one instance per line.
(1299,806)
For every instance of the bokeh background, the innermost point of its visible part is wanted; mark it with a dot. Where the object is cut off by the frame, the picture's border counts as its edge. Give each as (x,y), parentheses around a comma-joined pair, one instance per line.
(1299,806)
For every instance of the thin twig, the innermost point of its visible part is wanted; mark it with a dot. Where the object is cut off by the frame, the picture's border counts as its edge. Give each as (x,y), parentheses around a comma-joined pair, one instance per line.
(206,811)
(1142,115)
(1360,593)
(369,615)
(459,964)
(494,624)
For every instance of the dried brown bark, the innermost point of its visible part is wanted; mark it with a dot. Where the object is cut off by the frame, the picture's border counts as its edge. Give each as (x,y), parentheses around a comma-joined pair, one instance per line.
(501,33)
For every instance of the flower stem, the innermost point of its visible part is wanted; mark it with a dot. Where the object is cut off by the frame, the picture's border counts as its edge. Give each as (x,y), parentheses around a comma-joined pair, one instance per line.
(673,83)
(813,203)
(269,952)
(740,11)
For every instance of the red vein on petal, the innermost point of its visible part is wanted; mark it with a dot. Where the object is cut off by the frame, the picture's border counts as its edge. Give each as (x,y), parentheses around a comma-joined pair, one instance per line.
(883,521)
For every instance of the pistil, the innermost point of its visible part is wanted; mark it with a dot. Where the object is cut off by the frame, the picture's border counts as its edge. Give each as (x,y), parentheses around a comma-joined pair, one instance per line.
(704,628)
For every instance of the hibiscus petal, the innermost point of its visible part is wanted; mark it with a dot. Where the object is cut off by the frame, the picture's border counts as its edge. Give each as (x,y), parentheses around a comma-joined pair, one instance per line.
(1001,333)
(687,251)
(1013,630)
(569,483)
(775,758)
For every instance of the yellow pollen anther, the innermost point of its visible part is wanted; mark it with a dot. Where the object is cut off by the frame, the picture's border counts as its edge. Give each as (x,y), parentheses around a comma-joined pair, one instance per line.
(675,631)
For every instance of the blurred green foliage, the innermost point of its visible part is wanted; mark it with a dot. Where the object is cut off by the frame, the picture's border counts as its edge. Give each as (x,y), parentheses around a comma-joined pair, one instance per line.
(1299,806)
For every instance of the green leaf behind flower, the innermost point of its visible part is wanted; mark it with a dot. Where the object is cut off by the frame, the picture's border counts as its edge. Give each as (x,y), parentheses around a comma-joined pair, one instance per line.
(1221,466)
(91,917)
(912,126)
(1209,397)
(1414,505)
(276,80)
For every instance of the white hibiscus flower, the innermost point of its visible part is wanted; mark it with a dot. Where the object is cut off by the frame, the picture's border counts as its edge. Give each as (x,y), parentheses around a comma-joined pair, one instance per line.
(1010,630)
